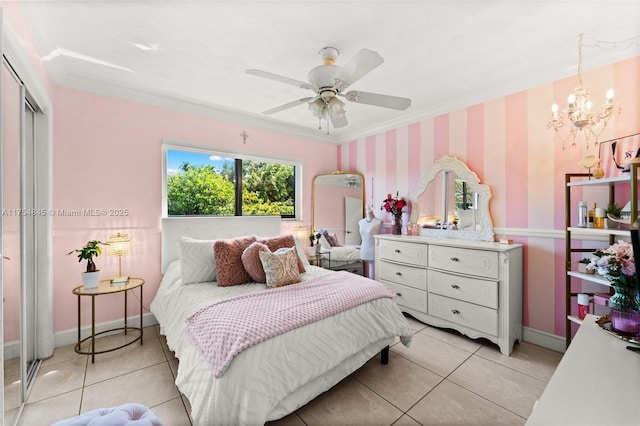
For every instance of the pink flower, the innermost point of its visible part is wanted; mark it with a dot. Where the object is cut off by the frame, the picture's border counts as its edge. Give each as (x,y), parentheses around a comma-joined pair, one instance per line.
(393,205)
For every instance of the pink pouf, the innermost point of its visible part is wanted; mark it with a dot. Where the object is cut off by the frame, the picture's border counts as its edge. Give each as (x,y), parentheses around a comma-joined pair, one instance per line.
(123,415)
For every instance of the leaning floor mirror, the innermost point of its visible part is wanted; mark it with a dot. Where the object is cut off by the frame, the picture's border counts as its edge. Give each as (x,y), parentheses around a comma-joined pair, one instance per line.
(338,204)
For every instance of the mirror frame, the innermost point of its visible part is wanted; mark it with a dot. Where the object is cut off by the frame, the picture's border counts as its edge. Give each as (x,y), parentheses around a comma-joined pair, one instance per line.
(333,173)
(452,164)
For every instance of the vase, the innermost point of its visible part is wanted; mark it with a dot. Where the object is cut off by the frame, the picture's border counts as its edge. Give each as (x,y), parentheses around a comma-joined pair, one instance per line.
(625,293)
(625,321)
(625,306)
(397,225)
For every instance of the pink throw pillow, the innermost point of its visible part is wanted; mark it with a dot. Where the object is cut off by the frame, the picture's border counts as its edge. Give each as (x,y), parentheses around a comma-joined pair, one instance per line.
(228,255)
(252,263)
(283,241)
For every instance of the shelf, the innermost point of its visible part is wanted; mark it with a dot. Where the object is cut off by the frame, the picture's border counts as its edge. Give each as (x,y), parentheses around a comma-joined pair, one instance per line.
(599,182)
(598,232)
(594,278)
(574,234)
(574,319)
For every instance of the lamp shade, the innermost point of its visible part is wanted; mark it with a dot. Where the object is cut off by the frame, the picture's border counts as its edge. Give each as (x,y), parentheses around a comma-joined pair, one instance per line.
(119,245)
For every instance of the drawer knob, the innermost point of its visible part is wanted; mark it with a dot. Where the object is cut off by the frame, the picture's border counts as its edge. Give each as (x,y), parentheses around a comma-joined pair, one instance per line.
(455,312)
(399,294)
(455,259)
(399,274)
(455,286)
(397,251)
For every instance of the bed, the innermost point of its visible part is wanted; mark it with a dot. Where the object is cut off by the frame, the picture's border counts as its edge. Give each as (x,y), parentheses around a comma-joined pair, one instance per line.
(344,258)
(273,378)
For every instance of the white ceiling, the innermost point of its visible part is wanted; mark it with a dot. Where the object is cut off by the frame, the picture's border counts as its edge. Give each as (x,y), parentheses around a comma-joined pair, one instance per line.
(444,55)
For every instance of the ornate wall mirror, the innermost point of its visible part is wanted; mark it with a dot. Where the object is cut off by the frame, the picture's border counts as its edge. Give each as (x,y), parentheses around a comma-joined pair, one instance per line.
(450,201)
(337,204)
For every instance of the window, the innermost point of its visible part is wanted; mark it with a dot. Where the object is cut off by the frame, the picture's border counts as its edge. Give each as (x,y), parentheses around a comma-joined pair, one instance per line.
(207,183)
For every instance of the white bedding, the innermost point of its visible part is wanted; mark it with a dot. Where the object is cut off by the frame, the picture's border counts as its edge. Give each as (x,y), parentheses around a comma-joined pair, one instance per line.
(274,378)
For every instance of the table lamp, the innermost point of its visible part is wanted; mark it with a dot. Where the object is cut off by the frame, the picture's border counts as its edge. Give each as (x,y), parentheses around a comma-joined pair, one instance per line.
(119,245)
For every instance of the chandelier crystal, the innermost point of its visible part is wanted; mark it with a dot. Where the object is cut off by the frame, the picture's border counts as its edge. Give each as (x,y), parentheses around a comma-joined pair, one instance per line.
(580,115)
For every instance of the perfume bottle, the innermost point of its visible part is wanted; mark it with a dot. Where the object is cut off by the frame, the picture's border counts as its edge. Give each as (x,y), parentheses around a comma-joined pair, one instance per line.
(582,214)
(591,217)
(599,219)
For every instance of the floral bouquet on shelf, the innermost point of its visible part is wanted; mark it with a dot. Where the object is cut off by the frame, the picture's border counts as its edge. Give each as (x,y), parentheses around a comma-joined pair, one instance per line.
(394,205)
(617,265)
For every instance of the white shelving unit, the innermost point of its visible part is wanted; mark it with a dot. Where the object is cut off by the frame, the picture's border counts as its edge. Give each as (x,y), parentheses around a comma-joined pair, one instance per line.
(574,234)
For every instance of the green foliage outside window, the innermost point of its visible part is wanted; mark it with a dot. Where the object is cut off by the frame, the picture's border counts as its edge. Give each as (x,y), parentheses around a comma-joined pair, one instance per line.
(199,190)
(267,189)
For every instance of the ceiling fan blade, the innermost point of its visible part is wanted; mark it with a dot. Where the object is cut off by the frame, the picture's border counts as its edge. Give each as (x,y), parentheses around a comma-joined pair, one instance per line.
(338,119)
(376,99)
(280,78)
(288,105)
(361,64)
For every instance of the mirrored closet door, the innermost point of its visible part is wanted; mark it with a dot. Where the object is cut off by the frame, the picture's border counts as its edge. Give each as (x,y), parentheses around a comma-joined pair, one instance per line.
(18,241)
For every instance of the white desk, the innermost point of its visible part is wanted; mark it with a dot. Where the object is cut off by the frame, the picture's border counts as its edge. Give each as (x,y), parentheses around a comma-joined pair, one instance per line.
(596,383)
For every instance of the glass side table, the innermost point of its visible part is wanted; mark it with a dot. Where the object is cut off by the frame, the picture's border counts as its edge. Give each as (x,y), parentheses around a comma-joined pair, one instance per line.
(105,287)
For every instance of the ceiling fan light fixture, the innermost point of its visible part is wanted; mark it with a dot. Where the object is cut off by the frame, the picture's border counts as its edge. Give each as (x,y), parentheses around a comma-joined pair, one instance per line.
(329,55)
(317,108)
(336,106)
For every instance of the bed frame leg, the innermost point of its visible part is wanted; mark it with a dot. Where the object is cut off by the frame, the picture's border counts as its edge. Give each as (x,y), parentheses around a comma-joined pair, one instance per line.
(384,356)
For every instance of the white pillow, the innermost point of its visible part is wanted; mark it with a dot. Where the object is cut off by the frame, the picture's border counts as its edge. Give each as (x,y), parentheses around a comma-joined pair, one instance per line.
(301,253)
(197,262)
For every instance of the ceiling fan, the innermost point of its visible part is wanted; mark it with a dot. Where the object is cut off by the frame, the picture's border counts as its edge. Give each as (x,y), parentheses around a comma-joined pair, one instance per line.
(328,81)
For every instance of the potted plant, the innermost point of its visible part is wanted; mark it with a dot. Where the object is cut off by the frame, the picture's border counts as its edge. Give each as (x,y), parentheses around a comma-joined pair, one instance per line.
(91,277)
(582,266)
(314,238)
(615,211)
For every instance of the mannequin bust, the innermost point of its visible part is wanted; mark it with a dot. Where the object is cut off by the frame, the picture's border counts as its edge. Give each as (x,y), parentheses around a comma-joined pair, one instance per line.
(369,226)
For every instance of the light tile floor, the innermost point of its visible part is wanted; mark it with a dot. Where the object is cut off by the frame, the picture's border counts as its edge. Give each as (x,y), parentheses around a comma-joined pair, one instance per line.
(443,378)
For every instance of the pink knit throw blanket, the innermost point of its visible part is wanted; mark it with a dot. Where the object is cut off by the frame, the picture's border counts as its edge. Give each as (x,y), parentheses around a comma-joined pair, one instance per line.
(223,329)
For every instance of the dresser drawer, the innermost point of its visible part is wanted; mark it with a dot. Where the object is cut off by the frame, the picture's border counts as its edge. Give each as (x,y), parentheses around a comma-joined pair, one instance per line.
(401,251)
(468,289)
(463,313)
(402,274)
(409,297)
(480,263)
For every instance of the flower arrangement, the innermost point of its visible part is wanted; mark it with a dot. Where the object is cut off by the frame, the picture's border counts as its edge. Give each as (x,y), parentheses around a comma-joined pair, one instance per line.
(616,264)
(393,205)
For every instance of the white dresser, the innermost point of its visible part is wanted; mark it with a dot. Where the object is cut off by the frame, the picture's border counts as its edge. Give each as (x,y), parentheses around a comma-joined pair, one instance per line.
(474,287)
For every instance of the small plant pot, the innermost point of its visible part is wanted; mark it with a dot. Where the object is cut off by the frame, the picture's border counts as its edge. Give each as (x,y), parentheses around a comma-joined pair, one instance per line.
(91,279)
(312,250)
(611,224)
(582,267)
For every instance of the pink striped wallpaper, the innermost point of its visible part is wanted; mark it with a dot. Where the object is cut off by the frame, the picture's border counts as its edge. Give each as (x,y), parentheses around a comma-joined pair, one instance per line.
(505,141)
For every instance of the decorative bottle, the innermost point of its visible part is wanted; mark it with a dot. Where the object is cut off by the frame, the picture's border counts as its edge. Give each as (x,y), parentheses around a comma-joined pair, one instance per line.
(591,217)
(599,219)
(582,214)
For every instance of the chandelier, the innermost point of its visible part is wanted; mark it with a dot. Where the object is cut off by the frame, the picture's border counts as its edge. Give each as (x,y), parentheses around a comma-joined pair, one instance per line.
(580,115)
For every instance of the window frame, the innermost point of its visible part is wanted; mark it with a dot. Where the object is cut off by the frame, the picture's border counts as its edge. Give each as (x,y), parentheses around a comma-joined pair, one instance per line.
(170,144)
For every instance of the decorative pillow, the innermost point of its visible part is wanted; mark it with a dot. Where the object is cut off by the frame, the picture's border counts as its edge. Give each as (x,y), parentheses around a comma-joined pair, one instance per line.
(280,267)
(283,241)
(333,240)
(251,261)
(228,254)
(300,248)
(197,263)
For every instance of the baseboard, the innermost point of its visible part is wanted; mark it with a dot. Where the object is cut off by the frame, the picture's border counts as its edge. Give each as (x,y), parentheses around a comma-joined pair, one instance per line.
(546,340)
(70,337)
